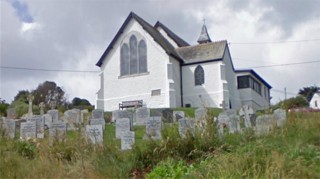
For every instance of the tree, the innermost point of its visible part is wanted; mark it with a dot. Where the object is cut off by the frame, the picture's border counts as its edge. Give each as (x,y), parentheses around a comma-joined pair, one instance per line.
(22,96)
(3,107)
(81,103)
(47,92)
(295,102)
(308,92)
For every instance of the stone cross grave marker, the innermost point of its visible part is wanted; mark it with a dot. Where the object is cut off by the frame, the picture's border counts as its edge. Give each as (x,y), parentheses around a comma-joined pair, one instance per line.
(11,113)
(122,126)
(186,126)
(41,106)
(10,128)
(280,117)
(127,140)
(58,132)
(178,115)
(98,121)
(54,114)
(153,128)
(247,113)
(94,134)
(142,115)
(28,130)
(30,100)
(39,120)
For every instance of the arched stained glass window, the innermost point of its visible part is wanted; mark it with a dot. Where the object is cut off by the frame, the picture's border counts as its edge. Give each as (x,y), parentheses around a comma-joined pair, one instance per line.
(142,57)
(133,55)
(124,60)
(199,75)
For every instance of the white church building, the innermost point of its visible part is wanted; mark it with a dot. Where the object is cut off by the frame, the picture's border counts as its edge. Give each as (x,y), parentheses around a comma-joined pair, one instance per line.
(153,65)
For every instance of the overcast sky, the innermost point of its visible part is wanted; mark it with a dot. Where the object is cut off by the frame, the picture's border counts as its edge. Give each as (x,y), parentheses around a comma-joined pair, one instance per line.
(73,34)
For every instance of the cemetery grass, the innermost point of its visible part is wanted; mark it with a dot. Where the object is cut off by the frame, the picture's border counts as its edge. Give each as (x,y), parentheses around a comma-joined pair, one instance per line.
(290,152)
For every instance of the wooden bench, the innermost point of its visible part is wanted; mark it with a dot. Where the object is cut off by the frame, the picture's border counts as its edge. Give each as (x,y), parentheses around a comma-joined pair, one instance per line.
(131,104)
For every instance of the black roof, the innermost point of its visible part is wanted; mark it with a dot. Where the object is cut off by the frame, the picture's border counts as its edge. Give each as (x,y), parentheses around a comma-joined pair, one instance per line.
(180,42)
(254,74)
(163,42)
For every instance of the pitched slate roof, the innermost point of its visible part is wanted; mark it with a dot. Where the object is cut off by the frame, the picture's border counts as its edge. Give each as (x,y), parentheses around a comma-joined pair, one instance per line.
(162,41)
(180,42)
(255,75)
(202,52)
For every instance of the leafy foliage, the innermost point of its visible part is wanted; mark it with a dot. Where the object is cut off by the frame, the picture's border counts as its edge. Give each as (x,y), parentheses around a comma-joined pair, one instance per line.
(3,107)
(47,92)
(308,92)
(294,102)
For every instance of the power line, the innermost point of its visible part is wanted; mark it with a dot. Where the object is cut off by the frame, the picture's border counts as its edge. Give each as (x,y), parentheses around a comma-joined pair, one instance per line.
(274,42)
(42,69)
(285,64)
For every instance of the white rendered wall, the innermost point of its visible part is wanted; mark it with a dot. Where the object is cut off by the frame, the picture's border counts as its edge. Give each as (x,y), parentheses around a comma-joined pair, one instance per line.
(210,94)
(231,79)
(136,87)
(315,100)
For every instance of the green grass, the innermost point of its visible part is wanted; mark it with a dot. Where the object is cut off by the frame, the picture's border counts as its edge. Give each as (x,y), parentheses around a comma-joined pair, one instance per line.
(289,152)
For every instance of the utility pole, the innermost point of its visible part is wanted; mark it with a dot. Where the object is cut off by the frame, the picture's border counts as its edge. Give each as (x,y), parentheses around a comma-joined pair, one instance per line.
(285,93)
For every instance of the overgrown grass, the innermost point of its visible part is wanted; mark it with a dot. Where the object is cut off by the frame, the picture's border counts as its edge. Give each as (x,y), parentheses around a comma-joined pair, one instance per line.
(289,152)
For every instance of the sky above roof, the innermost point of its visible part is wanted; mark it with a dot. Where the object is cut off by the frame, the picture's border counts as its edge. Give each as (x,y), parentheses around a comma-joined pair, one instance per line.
(64,40)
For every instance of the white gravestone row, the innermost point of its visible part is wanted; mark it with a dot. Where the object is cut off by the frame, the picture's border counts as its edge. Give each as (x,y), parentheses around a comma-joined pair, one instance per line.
(98,121)
(94,134)
(127,140)
(122,126)
(153,128)
(186,126)
(265,123)
(141,116)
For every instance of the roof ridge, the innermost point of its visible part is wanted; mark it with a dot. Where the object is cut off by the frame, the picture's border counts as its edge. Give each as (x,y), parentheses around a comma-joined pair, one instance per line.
(180,42)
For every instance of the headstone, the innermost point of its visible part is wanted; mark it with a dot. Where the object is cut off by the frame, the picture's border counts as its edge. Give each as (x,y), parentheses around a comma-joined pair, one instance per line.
(97,113)
(99,121)
(247,113)
(200,114)
(263,124)
(127,140)
(72,118)
(186,126)
(78,112)
(118,114)
(30,99)
(178,115)
(41,106)
(83,114)
(280,117)
(39,125)
(122,126)
(153,128)
(222,123)
(54,114)
(11,113)
(28,130)
(167,115)
(58,131)
(10,128)
(234,123)
(47,120)
(142,115)
(94,134)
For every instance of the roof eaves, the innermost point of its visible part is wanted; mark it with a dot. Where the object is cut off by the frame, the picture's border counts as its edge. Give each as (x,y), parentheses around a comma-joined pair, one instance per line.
(256,75)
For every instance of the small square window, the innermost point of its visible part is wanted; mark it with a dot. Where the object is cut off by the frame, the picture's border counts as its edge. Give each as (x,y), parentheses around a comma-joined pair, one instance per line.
(156,92)
(188,105)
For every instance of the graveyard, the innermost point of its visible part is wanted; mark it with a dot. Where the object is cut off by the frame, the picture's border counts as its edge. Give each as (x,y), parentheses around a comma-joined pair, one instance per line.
(160,143)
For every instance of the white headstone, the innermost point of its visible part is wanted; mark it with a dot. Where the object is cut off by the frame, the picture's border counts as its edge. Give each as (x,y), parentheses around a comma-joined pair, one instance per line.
(10,128)
(28,130)
(100,121)
(280,117)
(234,123)
(127,140)
(263,124)
(153,128)
(222,122)
(40,125)
(54,114)
(200,114)
(72,118)
(58,131)
(142,115)
(94,134)
(97,113)
(47,120)
(122,126)
(186,126)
